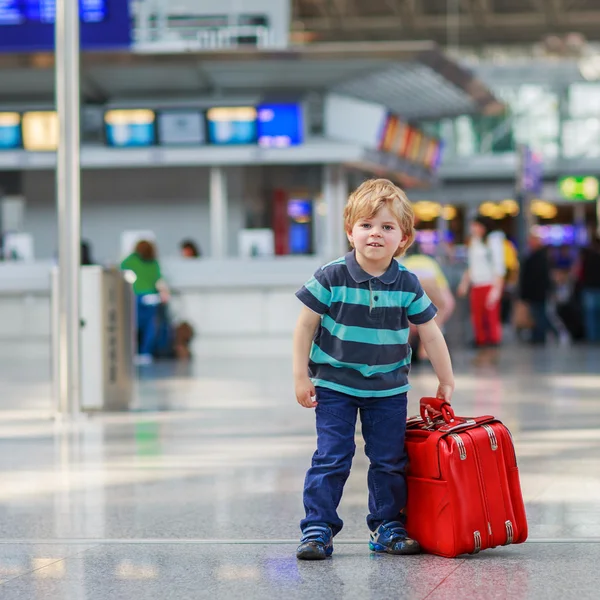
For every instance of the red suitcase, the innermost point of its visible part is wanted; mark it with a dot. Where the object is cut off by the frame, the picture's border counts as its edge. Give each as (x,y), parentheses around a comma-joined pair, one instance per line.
(464,493)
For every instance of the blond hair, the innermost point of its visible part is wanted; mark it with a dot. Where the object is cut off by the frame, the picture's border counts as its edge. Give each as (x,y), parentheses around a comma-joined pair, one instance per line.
(370,197)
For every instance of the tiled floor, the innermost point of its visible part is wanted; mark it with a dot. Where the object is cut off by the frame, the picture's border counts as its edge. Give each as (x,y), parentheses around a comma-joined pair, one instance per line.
(197,493)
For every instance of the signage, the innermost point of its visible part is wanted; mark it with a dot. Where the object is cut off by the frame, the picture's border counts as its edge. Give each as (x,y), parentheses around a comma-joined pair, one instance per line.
(16,12)
(126,128)
(10,130)
(279,125)
(579,188)
(40,131)
(232,125)
(181,127)
(410,143)
(28,25)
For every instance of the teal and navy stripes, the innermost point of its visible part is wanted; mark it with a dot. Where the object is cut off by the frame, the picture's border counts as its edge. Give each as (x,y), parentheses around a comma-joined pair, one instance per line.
(361,347)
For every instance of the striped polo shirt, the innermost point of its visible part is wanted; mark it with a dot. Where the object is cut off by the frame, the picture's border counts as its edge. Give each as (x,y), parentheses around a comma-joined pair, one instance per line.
(361,346)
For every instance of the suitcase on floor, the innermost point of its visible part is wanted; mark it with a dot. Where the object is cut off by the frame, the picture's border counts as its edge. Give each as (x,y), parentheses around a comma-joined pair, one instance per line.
(464,493)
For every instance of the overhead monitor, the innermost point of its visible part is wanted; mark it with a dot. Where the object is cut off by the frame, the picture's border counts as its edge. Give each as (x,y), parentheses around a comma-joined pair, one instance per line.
(127,128)
(355,121)
(10,130)
(16,12)
(40,131)
(28,25)
(231,125)
(181,127)
(280,125)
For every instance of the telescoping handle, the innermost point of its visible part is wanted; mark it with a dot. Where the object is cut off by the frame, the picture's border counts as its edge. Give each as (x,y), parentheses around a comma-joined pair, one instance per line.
(432,407)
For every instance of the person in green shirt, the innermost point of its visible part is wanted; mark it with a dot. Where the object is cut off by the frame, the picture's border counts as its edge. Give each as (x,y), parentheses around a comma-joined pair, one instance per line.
(150,290)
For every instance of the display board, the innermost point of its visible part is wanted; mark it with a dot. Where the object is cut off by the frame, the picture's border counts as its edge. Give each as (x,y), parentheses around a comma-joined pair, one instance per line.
(181,128)
(270,125)
(28,25)
(231,125)
(40,131)
(127,128)
(10,130)
(280,125)
(410,143)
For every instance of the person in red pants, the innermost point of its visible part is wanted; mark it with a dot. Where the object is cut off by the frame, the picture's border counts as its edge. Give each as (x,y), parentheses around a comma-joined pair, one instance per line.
(485,278)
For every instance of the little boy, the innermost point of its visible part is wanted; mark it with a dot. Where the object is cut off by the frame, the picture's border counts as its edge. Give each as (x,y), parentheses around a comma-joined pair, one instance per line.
(352,339)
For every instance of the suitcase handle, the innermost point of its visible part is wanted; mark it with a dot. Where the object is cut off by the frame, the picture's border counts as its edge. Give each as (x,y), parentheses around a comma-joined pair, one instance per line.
(433,407)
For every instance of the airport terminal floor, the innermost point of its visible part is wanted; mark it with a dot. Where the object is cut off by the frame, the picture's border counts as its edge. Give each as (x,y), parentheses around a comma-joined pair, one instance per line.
(197,492)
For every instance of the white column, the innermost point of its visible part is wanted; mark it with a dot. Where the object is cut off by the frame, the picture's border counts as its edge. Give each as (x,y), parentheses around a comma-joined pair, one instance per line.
(335,195)
(68,204)
(218,212)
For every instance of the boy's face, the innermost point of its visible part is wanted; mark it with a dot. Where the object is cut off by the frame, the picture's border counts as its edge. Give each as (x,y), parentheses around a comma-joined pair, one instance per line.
(377,239)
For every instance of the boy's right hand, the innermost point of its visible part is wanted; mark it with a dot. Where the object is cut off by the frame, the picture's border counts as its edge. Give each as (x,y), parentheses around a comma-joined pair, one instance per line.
(305,392)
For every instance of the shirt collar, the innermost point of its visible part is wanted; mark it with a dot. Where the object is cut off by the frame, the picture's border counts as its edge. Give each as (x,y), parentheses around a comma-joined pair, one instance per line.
(360,276)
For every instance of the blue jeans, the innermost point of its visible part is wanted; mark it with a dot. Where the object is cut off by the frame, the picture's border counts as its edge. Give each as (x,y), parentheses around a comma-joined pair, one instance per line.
(383,429)
(147,317)
(541,322)
(591,313)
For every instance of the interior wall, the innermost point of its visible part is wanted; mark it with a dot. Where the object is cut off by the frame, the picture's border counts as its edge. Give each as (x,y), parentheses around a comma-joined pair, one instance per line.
(172,202)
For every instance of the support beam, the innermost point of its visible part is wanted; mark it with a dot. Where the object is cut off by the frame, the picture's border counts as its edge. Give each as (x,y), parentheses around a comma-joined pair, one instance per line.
(335,195)
(68,199)
(218,212)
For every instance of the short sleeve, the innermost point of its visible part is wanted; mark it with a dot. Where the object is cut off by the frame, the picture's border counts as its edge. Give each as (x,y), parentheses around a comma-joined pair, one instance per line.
(126,264)
(316,293)
(421,310)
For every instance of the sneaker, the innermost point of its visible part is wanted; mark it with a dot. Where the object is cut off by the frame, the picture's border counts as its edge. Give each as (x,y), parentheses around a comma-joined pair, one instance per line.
(391,537)
(316,543)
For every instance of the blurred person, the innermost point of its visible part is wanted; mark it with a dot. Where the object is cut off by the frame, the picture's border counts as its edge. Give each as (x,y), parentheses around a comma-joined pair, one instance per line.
(511,280)
(351,354)
(484,278)
(435,285)
(536,287)
(86,253)
(589,280)
(189,249)
(150,290)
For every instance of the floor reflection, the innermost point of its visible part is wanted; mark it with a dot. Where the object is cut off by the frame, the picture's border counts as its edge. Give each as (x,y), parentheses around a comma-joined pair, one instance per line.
(216,450)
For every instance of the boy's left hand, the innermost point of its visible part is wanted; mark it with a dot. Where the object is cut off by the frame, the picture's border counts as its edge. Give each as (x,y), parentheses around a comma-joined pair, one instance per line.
(444,392)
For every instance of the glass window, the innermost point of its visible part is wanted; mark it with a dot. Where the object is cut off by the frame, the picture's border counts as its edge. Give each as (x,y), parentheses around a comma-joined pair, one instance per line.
(466,143)
(581,138)
(536,118)
(584,100)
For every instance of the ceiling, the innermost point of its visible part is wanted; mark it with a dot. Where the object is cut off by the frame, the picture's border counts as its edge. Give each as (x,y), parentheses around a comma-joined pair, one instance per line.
(412,79)
(448,22)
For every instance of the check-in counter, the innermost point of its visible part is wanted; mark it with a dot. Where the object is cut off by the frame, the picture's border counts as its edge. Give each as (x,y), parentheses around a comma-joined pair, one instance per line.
(237,307)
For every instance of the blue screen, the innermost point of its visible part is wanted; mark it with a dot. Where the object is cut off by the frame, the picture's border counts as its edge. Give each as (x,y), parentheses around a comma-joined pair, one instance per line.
(28,25)
(279,125)
(10,136)
(130,135)
(16,12)
(230,126)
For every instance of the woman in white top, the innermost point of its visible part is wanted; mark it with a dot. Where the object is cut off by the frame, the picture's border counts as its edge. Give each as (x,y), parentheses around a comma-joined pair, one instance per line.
(485,278)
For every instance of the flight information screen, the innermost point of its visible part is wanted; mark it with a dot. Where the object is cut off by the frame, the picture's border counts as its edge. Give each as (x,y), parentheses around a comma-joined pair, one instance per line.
(28,25)
(18,12)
